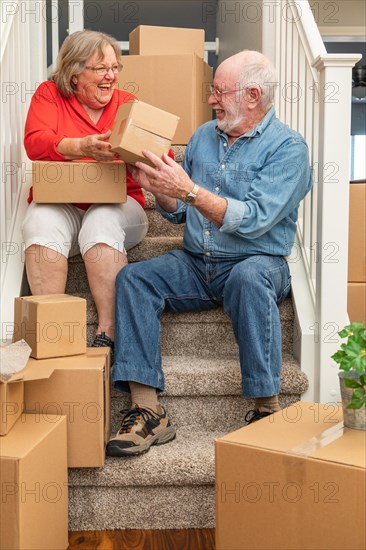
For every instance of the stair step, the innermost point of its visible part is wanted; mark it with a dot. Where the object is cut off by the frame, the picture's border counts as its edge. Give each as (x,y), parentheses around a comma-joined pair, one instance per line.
(189,459)
(192,376)
(206,394)
(209,333)
(171,486)
(211,413)
(167,507)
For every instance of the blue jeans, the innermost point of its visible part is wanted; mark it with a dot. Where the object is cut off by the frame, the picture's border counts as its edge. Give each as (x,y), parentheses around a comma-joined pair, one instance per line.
(249,291)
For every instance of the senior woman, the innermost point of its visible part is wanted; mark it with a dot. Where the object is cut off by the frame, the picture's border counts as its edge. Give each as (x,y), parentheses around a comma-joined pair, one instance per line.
(70,117)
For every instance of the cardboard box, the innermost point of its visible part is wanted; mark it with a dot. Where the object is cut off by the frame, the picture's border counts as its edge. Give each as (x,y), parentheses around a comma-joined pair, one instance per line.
(34,490)
(78,387)
(150,40)
(357,233)
(177,84)
(293,480)
(141,126)
(357,302)
(11,402)
(54,325)
(12,393)
(79,182)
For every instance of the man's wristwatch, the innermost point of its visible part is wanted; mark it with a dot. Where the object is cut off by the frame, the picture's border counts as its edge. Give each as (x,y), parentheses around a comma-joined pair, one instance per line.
(190,197)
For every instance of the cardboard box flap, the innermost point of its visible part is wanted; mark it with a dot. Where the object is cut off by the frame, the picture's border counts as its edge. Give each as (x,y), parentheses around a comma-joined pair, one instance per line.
(40,369)
(37,369)
(29,432)
(149,118)
(50,298)
(321,429)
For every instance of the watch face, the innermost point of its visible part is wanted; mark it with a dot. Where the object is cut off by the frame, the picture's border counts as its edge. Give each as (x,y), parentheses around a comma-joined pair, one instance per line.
(189,199)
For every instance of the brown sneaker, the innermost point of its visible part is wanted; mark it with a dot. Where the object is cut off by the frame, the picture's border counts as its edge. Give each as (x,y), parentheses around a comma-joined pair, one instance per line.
(141,427)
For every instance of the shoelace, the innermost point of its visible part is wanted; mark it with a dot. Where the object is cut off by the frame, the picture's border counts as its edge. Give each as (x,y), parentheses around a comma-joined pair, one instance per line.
(132,416)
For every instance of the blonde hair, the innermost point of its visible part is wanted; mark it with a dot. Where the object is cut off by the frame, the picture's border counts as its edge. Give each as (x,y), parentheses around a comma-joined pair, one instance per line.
(74,53)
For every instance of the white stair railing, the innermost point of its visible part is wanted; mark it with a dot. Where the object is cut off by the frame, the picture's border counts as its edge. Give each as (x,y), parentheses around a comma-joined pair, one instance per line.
(314,98)
(23,67)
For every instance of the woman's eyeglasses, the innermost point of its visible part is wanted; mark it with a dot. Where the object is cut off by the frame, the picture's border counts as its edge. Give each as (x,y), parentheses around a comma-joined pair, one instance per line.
(101,71)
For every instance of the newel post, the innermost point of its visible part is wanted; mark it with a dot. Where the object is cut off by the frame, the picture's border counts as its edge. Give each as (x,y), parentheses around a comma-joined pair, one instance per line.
(335,78)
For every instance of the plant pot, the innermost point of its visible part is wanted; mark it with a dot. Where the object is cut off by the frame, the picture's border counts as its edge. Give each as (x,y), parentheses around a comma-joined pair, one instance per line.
(352,418)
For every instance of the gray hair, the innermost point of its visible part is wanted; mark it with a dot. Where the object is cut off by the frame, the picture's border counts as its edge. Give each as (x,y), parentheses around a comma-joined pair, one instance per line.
(261,73)
(74,53)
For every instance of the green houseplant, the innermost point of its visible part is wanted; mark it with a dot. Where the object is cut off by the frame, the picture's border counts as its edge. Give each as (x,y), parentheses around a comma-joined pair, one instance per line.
(351,358)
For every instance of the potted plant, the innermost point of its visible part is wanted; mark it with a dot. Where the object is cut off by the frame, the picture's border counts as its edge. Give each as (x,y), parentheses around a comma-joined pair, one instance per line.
(351,358)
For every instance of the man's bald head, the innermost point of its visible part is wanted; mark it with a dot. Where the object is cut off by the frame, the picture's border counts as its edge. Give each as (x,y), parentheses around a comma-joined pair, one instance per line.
(246,57)
(250,67)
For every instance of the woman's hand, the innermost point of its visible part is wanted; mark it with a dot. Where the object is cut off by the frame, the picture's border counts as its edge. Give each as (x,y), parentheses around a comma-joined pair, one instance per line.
(96,147)
(93,146)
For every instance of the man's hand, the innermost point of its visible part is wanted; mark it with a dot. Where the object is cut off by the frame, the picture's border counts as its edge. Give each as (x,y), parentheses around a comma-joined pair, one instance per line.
(165,177)
(169,182)
(96,147)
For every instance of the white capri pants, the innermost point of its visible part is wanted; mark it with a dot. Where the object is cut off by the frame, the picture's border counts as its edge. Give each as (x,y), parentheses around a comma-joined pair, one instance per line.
(70,230)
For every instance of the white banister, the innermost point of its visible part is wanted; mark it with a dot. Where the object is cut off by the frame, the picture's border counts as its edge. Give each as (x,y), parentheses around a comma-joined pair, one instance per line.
(333,200)
(315,99)
(55,15)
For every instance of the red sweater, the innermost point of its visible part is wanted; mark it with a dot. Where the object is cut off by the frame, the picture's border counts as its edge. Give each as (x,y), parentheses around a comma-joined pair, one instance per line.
(52,117)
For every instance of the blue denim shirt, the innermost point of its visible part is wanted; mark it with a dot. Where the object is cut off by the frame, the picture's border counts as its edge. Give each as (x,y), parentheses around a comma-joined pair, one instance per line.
(263,175)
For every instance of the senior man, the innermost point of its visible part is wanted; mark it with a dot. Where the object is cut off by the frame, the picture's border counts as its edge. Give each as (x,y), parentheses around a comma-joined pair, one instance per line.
(243,177)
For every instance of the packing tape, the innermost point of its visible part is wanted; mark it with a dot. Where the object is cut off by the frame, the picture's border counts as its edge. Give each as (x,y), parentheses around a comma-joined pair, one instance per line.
(317,442)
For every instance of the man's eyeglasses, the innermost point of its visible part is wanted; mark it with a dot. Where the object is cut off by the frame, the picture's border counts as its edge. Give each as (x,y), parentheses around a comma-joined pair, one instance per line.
(101,71)
(219,93)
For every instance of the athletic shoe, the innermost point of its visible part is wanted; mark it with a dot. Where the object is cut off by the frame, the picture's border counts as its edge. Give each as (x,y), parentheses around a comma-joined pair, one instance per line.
(254,415)
(141,427)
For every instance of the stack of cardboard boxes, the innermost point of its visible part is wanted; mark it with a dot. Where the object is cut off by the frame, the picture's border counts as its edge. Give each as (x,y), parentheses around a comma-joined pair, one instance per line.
(54,415)
(357,253)
(167,73)
(166,69)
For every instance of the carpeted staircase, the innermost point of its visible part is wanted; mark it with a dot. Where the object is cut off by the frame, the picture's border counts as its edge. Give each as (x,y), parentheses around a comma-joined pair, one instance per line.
(172,486)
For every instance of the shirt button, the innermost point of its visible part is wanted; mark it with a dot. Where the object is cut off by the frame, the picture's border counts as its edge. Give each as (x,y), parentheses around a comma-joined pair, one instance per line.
(207,232)
(207,253)
(225,144)
(217,189)
(222,166)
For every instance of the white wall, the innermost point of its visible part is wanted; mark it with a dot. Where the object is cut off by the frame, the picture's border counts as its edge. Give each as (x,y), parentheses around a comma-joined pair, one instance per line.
(339,13)
(239,26)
